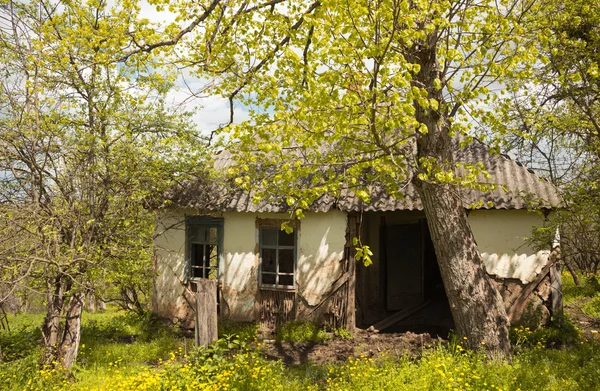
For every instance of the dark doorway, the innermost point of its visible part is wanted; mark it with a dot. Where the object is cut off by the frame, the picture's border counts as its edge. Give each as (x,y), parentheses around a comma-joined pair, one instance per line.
(412,277)
(404,266)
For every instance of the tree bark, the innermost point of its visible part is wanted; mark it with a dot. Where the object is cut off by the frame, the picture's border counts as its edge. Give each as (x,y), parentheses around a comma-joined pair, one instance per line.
(72,332)
(569,267)
(476,305)
(51,326)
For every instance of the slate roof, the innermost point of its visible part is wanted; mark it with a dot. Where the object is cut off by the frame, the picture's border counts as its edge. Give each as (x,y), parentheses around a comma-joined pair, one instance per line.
(521,183)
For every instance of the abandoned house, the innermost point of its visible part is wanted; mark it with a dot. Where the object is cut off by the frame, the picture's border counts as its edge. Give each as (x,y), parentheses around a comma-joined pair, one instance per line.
(269,276)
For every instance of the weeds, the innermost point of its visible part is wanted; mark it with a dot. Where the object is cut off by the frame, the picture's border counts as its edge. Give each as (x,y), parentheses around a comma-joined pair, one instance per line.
(301,331)
(245,331)
(126,352)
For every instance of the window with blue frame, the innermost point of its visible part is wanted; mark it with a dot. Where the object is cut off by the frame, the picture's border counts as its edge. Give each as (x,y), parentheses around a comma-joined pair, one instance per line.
(204,247)
(277,258)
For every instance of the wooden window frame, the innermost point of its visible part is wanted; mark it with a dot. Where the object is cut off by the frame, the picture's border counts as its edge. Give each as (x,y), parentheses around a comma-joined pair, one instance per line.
(276,224)
(205,222)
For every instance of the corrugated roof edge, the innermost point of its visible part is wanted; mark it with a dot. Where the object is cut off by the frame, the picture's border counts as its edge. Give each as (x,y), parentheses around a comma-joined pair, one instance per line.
(522,181)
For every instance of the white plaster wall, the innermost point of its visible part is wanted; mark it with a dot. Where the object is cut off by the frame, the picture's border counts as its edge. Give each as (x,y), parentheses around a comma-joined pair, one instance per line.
(240,265)
(168,297)
(500,236)
(322,238)
(321,241)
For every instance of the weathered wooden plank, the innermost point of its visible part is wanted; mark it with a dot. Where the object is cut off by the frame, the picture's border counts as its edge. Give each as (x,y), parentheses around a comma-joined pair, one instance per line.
(515,312)
(276,307)
(351,303)
(556,294)
(397,317)
(206,312)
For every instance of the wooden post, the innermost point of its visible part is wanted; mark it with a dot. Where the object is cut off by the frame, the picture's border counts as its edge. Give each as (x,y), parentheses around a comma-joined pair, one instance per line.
(556,294)
(206,312)
(351,305)
(556,285)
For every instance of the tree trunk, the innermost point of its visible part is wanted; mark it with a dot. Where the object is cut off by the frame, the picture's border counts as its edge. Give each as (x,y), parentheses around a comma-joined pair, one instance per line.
(51,327)
(72,332)
(477,307)
(91,301)
(569,267)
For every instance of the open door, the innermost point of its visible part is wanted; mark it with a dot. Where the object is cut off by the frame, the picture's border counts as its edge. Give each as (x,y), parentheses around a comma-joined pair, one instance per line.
(404,266)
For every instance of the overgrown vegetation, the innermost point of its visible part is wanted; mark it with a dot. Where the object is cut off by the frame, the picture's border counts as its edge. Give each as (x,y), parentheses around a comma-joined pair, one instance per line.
(126,351)
(301,331)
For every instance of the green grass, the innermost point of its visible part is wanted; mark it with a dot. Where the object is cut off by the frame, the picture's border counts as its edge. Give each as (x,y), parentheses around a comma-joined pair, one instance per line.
(122,351)
(585,296)
(245,331)
(109,339)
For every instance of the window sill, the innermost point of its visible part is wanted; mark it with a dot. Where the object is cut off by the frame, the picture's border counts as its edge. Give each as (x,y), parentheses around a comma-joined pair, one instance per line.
(277,288)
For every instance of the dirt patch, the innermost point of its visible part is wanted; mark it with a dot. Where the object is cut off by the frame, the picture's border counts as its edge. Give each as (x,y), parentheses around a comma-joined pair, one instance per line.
(339,350)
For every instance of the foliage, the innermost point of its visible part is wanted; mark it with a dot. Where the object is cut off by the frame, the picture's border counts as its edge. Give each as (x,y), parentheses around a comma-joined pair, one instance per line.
(301,331)
(585,296)
(244,331)
(86,143)
(542,337)
(342,333)
(551,122)
(589,287)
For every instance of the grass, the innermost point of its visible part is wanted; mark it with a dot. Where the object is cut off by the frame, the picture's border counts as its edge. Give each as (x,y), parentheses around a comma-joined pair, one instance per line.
(585,296)
(121,351)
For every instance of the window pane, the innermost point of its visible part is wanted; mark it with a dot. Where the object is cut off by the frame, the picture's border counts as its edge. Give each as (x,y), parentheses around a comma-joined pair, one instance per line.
(269,260)
(197,234)
(286,280)
(197,254)
(213,256)
(286,239)
(197,272)
(269,236)
(212,235)
(212,274)
(268,279)
(286,261)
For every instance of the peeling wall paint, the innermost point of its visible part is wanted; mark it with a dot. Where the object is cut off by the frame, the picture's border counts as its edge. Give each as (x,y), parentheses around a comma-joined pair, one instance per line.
(501,239)
(322,238)
(240,265)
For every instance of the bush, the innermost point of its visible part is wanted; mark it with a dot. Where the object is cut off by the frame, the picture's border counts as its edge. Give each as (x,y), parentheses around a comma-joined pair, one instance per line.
(244,331)
(301,331)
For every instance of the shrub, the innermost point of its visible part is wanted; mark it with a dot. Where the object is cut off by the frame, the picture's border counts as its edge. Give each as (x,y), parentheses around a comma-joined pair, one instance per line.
(301,331)
(244,331)
(342,333)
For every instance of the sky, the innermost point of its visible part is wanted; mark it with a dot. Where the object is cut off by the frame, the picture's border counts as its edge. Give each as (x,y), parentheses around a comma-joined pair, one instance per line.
(208,111)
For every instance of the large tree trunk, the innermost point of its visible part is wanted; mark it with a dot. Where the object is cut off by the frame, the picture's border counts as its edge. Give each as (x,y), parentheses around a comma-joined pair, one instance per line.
(72,331)
(51,327)
(477,307)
